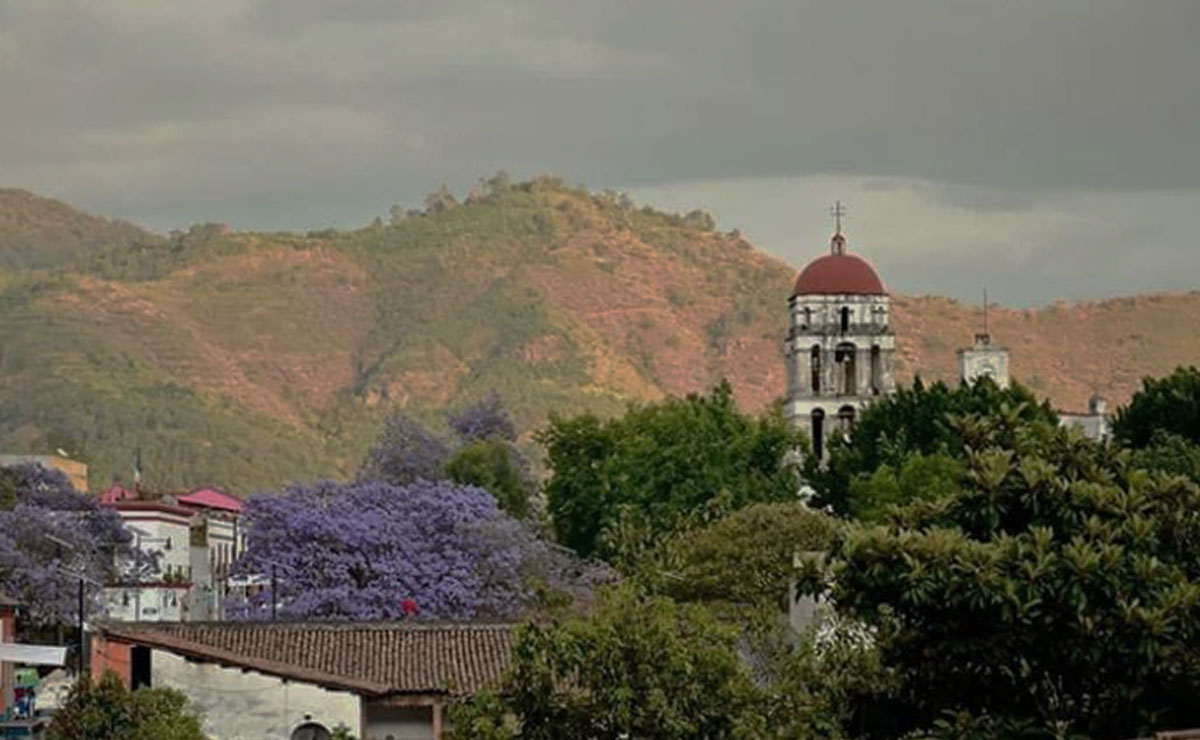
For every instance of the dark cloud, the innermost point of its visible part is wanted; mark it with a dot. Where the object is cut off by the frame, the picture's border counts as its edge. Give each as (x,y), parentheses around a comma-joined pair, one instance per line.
(275,113)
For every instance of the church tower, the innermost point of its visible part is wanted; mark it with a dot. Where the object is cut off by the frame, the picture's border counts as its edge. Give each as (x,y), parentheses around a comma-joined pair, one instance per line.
(840,350)
(984,359)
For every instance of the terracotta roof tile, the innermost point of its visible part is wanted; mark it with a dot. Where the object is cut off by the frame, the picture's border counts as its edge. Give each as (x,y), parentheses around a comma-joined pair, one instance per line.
(371,658)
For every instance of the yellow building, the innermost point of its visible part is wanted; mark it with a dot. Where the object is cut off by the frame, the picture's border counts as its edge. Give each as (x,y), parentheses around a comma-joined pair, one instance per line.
(74,470)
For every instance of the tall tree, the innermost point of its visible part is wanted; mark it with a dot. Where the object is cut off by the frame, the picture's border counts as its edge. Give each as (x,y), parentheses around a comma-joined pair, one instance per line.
(404,452)
(50,536)
(361,551)
(1054,593)
(914,420)
(1170,404)
(662,463)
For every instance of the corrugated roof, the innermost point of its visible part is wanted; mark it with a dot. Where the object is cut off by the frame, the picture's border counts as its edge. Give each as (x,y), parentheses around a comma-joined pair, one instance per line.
(369,658)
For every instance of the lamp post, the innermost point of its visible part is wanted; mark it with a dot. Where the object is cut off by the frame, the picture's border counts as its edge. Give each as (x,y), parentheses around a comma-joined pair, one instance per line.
(82,638)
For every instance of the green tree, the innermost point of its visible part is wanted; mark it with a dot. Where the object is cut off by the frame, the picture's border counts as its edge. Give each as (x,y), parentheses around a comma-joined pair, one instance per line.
(109,711)
(914,420)
(918,476)
(1170,404)
(661,464)
(1169,453)
(640,667)
(495,465)
(1056,592)
(744,559)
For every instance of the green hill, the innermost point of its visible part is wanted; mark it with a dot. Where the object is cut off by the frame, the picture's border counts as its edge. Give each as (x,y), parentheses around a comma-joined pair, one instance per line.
(40,232)
(248,360)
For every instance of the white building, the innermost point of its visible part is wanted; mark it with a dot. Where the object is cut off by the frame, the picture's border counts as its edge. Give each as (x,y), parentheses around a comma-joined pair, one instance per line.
(196,537)
(840,350)
(293,680)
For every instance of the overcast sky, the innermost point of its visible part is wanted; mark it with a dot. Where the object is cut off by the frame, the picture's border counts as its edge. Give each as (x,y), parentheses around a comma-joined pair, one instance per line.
(1048,148)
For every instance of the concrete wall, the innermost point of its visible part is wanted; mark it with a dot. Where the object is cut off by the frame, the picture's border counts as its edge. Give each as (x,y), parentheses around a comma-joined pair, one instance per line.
(399,723)
(252,706)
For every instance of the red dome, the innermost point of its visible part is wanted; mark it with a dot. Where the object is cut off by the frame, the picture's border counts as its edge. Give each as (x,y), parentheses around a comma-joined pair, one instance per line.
(836,274)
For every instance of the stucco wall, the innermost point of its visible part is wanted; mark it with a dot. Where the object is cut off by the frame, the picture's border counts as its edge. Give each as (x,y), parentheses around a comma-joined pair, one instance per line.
(252,706)
(399,723)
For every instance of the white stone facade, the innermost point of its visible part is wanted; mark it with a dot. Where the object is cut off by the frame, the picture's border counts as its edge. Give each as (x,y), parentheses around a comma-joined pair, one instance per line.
(840,356)
(984,360)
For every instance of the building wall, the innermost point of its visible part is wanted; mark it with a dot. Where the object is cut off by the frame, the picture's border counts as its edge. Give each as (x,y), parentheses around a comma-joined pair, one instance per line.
(252,706)
(816,322)
(156,603)
(399,723)
(983,360)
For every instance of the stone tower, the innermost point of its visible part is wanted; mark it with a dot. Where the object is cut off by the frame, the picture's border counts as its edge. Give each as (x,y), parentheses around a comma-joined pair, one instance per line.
(840,350)
(984,359)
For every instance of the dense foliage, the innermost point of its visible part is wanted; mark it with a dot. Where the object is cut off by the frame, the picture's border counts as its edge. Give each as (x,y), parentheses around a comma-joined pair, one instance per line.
(914,420)
(745,558)
(1054,593)
(1163,405)
(360,551)
(483,454)
(50,534)
(108,711)
(660,464)
(640,667)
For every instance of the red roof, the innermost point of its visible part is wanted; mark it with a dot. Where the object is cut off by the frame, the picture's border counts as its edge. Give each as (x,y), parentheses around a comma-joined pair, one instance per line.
(117,492)
(211,498)
(839,274)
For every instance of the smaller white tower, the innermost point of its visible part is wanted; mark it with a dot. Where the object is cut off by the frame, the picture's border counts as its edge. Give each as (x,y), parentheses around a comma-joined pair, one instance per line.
(983,359)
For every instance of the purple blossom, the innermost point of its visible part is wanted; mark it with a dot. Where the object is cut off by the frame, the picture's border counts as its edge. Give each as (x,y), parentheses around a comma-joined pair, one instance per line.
(405,452)
(358,551)
(485,419)
(42,573)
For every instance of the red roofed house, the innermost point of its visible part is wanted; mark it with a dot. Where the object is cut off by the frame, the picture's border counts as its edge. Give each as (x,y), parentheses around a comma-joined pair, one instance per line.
(286,679)
(197,537)
(840,347)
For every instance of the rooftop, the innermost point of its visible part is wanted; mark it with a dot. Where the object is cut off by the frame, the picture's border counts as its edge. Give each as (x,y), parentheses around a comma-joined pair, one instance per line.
(367,658)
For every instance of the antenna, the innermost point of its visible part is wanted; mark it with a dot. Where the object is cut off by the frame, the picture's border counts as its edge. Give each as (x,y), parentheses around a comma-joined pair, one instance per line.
(985,338)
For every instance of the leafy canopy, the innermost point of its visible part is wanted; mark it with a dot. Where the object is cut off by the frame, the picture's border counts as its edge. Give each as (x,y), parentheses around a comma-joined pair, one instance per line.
(661,463)
(1170,404)
(1054,591)
(37,504)
(640,667)
(109,711)
(913,420)
(360,551)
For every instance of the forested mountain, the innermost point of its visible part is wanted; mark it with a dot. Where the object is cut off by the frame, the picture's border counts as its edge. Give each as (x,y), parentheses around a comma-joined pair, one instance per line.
(251,359)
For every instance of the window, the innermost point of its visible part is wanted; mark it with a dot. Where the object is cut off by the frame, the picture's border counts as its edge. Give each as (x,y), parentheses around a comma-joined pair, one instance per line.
(807,318)
(876,369)
(815,364)
(845,319)
(846,420)
(845,362)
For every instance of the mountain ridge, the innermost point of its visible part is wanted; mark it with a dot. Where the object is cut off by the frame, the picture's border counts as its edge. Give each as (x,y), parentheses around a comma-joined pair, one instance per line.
(250,359)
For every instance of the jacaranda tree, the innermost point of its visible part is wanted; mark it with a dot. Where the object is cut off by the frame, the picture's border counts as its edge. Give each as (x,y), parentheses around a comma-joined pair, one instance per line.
(373,550)
(49,536)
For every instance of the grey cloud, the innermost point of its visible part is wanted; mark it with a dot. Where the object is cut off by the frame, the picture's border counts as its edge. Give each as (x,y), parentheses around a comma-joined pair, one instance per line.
(274,113)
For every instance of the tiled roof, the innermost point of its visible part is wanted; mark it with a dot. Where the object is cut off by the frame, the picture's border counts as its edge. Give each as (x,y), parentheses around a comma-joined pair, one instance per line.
(368,658)
(211,498)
